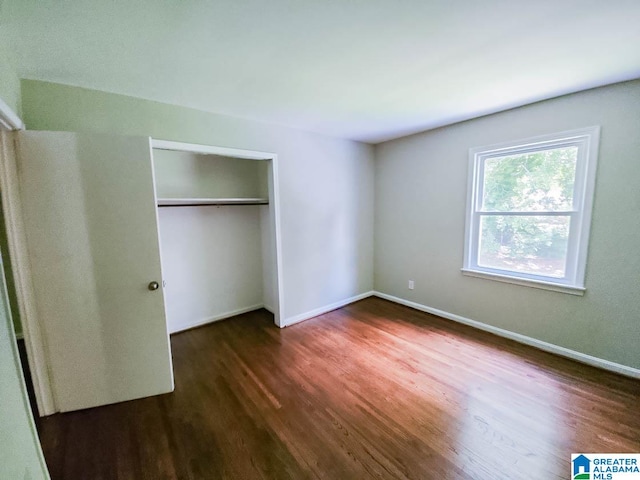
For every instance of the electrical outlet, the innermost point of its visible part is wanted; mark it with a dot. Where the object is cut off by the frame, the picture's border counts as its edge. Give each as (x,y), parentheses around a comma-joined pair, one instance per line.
(411,284)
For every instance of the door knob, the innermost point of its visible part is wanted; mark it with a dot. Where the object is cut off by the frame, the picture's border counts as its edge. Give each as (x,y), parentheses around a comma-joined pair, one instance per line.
(154,286)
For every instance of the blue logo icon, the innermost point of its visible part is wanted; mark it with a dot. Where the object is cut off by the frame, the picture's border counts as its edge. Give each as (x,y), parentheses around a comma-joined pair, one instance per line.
(581,468)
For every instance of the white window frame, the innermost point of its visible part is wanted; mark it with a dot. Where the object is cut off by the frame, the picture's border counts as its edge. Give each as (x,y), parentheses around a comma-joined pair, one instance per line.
(587,141)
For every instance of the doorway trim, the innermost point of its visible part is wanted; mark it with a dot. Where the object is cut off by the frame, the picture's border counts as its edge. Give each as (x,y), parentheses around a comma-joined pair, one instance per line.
(10,125)
(274,202)
(8,118)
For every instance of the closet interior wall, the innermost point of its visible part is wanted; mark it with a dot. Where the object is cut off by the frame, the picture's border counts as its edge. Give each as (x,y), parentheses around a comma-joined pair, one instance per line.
(213,256)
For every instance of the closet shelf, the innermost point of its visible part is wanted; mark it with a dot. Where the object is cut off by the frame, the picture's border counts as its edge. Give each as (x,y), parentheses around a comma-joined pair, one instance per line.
(193,202)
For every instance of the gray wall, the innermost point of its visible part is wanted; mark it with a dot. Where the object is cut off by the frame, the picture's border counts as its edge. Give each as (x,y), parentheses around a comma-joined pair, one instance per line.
(421,193)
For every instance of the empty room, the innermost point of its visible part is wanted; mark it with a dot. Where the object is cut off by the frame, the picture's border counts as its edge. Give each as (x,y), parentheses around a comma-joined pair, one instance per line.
(319,240)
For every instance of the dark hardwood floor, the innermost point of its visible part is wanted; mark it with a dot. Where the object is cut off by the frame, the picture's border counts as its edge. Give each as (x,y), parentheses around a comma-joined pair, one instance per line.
(373,390)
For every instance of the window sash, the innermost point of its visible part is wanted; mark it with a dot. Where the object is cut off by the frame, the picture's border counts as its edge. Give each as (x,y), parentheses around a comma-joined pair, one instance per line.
(571,258)
(528,213)
(482,158)
(586,141)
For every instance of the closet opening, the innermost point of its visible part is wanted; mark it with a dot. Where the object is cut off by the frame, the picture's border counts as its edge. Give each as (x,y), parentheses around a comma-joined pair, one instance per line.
(218,224)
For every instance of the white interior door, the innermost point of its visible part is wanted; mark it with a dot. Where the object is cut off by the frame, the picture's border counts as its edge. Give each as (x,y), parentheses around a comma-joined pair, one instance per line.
(91,226)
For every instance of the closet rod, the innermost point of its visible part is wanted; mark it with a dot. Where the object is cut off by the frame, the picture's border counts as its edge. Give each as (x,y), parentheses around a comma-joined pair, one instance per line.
(212,204)
(195,202)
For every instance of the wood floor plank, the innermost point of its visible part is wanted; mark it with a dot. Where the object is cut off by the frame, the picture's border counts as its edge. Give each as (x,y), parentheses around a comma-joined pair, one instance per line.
(373,390)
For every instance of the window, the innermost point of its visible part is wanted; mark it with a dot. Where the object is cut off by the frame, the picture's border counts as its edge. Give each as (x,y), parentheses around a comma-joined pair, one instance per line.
(529,210)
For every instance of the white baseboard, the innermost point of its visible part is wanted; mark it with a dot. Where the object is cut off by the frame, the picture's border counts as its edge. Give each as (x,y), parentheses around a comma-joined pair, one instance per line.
(327,308)
(533,342)
(222,316)
(269,308)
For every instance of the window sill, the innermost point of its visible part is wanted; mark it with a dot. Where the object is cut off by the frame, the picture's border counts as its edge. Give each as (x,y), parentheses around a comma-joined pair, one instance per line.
(525,282)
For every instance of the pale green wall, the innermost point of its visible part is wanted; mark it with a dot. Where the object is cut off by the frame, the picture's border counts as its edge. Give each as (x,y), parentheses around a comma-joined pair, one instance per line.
(10,94)
(326,184)
(421,193)
(20,454)
(9,80)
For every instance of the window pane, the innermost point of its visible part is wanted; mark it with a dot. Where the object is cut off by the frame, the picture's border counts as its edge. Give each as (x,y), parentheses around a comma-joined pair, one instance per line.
(539,181)
(527,244)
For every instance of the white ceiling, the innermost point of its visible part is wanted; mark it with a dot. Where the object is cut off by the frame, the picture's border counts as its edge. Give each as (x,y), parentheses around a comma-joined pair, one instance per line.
(368,70)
